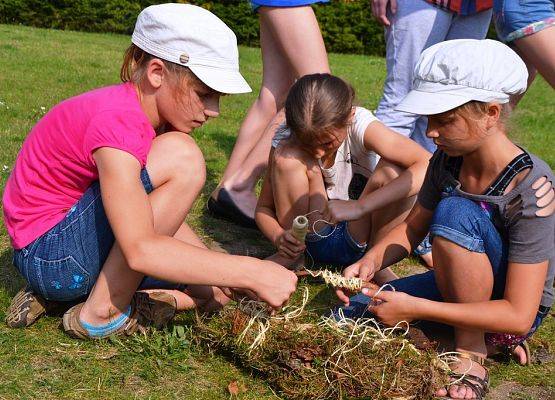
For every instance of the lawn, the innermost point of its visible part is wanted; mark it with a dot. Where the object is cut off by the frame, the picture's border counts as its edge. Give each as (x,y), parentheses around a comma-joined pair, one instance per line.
(39,68)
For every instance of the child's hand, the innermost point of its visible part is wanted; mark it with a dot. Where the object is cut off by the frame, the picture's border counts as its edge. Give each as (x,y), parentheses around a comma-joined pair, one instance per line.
(288,245)
(274,284)
(392,307)
(342,210)
(363,269)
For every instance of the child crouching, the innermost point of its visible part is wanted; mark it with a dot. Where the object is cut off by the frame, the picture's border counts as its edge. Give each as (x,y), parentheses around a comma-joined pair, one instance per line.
(326,149)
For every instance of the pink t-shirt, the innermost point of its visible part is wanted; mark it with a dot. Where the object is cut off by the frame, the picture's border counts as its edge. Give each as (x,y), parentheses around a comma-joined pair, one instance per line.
(55,165)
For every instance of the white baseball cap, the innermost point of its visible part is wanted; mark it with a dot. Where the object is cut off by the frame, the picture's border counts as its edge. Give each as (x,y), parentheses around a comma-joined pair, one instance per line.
(452,73)
(195,38)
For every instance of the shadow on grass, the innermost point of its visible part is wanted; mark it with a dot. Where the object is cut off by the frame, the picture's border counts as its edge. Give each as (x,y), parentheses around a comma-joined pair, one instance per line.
(235,239)
(10,279)
(225,141)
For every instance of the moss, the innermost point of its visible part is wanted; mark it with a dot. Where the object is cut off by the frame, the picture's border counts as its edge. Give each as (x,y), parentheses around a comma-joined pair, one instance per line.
(313,357)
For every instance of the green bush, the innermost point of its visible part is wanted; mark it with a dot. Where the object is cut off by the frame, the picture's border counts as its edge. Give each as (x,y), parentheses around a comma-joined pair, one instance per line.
(347,26)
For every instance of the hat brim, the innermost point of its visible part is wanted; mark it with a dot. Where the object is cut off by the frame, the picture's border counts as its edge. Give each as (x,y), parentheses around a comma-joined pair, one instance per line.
(221,80)
(430,103)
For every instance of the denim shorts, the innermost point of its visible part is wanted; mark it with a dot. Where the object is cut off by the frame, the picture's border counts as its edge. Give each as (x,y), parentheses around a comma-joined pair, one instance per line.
(334,246)
(63,264)
(467,224)
(515,19)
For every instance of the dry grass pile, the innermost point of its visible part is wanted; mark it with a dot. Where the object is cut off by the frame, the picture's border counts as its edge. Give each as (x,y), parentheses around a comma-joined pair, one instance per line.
(305,356)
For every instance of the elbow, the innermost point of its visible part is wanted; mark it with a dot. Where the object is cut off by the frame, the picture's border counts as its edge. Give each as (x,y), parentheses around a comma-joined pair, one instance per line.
(522,326)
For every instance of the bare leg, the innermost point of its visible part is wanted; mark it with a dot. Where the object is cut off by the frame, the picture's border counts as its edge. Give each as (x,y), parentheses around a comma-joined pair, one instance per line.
(298,189)
(292,46)
(539,51)
(532,72)
(253,167)
(460,284)
(176,168)
(383,220)
(206,298)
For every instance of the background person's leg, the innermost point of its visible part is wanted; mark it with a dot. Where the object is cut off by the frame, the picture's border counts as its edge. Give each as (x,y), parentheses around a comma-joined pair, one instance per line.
(277,78)
(539,51)
(292,46)
(529,27)
(415,26)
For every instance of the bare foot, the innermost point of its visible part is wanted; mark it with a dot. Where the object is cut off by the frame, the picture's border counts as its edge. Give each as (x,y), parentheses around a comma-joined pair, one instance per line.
(428,260)
(462,390)
(519,354)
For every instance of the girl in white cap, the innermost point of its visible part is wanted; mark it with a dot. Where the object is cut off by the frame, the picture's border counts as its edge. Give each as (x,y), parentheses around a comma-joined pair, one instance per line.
(96,203)
(489,206)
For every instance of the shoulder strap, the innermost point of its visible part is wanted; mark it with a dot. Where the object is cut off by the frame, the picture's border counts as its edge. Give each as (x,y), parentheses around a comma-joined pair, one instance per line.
(518,164)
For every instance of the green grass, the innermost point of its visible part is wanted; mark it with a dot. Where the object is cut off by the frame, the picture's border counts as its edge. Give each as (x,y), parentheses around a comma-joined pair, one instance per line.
(39,68)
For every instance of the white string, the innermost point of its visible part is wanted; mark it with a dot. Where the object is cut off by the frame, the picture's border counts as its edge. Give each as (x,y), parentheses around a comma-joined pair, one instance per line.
(312,212)
(382,288)
(325,222)
(320,220)
(259,314)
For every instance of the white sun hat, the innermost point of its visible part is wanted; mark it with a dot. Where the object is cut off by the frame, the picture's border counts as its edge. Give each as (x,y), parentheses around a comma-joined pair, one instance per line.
(452,73)
(195,38)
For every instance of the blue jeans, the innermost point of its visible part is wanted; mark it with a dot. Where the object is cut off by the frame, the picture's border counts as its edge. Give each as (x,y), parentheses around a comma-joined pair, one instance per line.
(415,26)
(515,19)
(63,264)
(466,224)
(337,248)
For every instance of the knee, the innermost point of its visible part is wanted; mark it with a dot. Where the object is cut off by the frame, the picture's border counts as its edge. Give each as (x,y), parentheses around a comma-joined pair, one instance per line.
(454,211)
(289,160)
(182,160)
(461,221)
(272,97)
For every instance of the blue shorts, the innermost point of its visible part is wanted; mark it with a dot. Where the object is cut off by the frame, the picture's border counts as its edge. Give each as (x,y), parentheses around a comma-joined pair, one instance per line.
(337,248)
(63,264)
(465,223)
(515,19)
(283,3)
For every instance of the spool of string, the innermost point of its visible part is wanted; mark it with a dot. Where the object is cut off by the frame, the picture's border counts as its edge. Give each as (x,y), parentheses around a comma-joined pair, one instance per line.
(300,228)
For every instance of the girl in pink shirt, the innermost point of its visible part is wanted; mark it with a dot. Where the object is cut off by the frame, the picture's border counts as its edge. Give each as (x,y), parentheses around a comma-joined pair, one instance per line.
(96,203)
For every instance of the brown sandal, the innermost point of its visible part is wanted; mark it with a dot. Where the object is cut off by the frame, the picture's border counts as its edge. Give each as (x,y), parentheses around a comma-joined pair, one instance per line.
(153,309)
(25,308)
(509,352)
(479,386)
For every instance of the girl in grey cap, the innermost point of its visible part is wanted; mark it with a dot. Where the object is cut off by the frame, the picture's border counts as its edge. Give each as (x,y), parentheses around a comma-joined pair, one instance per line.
(117,176)
(489,206)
